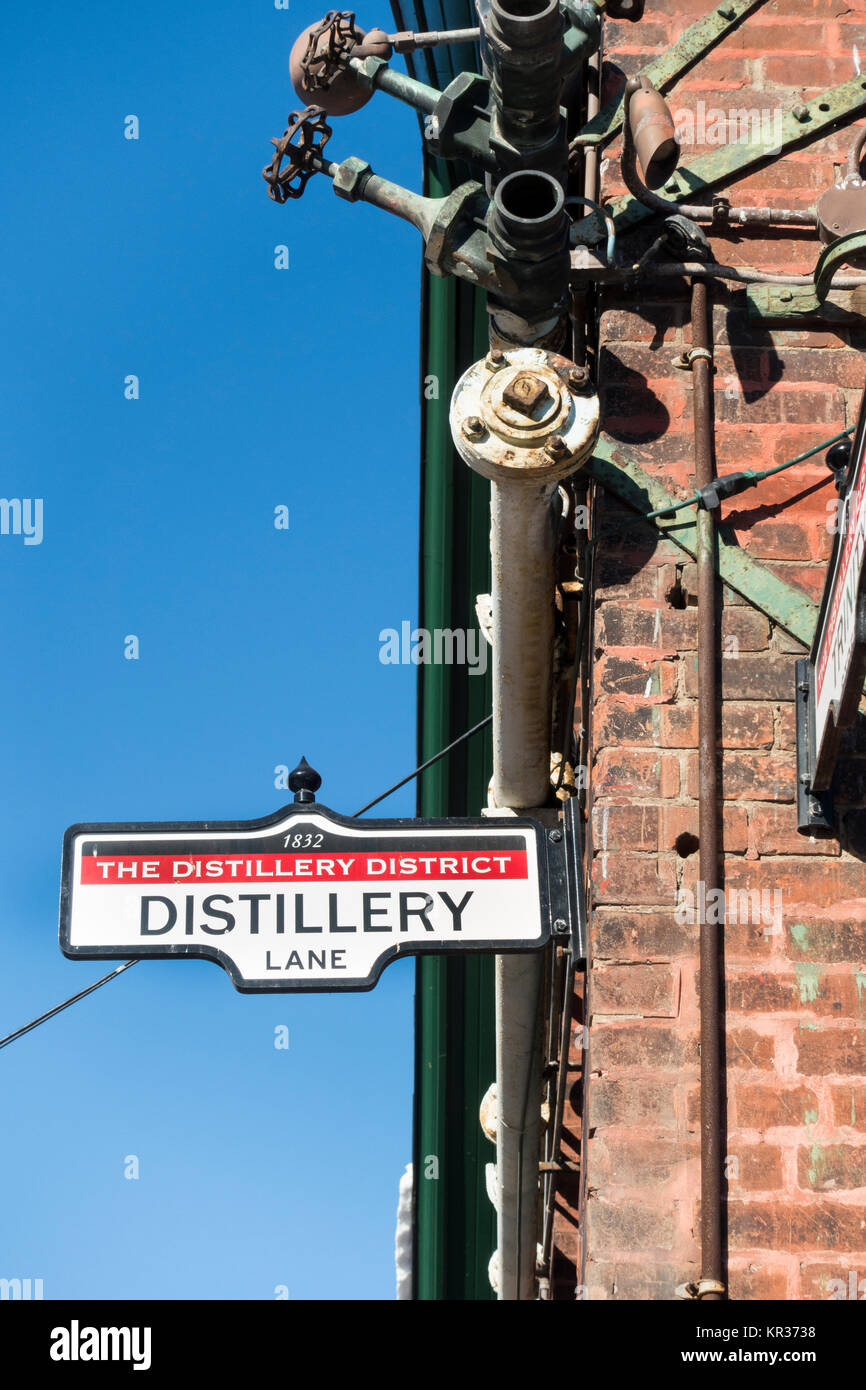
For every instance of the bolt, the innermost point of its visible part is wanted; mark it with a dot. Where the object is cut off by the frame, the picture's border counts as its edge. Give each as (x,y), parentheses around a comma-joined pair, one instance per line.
(801,113)
(786,296)
(578,379)
(556,446)
(473,427)
(525,392)
(560,926)
(496,358)
(804,778)
(729,13)
(803,686)
(555,836)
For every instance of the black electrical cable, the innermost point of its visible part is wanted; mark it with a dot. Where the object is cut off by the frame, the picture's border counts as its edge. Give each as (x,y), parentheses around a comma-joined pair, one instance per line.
(578,652)
(34,1023)
(424,766)
(19,1032)
(729,484)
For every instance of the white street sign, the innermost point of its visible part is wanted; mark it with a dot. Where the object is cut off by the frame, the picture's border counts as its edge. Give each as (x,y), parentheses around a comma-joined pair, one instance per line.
(304,900)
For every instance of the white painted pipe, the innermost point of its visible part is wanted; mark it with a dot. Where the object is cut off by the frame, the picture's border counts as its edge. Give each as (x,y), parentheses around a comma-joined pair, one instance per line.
(525,455)
(522,538)
(522,553)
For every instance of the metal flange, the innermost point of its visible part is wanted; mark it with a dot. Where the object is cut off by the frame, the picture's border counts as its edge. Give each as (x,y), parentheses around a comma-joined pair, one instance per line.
(524,414)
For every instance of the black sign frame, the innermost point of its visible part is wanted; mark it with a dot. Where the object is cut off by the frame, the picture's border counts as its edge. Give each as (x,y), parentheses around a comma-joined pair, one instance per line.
(555,884)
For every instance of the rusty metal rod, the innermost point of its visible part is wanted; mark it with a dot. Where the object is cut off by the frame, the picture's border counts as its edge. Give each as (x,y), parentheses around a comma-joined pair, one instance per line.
(712,1259)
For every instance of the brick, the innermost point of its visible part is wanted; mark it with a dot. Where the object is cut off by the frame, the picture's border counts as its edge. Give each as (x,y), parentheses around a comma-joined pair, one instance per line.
(788,1226)
(625,828)
(849,1105)
(838,935)
(762,1106)
(626,576)
(619,722)
(811,989)
(746,678)
(755,1168)
(675,821)
(640,1046)
(757,1283)
(614,1101)
(634,879)
(801,881)
(675,726)
(638,1162)
(637,1282)
(746,1048)
(837,1051)
(645,324)
(747,725)
(810,75)
(650,991)
(744,724)
(773,830)
(786,732)
(628,1225)
(634,774)
(618,934)
(751,776)
(625,625)
(745,626)
(649,679)
(829,1167)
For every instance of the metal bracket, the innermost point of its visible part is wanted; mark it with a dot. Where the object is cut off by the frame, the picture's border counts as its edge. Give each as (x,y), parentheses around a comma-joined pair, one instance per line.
(795,304)
(814,809)
(566,891)
(615,470)
(805,123)
(697,40)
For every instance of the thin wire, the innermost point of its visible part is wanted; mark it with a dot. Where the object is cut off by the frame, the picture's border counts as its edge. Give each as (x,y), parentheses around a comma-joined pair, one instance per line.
(82,994)
(19,1032)
(424,766)
(756,477)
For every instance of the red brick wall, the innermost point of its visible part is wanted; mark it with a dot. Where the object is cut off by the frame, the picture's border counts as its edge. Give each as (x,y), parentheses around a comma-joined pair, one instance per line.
(795,998)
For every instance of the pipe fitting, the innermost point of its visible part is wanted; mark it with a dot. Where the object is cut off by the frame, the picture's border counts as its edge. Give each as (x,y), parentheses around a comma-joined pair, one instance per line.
(524,421)
(528,230)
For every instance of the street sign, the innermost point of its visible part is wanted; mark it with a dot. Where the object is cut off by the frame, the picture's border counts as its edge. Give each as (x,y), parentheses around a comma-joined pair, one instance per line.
(839,653)
(305,899)
(836,669)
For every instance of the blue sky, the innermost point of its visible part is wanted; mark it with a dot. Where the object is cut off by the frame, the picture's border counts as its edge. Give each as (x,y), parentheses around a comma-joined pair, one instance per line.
(258,388)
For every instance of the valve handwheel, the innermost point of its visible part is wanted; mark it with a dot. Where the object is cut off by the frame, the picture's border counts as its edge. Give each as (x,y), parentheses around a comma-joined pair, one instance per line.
(302,144)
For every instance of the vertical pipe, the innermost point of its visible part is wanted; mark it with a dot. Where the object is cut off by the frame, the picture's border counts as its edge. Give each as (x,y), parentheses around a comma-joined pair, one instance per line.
(522,554)
(708,826)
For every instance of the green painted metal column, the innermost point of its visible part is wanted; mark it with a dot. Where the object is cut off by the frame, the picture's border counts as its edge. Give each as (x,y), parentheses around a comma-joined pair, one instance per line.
(455,1061)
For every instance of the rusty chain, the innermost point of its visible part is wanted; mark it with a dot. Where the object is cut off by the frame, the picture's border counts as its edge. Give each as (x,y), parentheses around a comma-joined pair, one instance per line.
(322,62)
(302,144)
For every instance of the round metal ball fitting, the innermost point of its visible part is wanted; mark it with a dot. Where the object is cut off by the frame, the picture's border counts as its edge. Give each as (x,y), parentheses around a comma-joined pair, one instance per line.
(535,427)
(315,79)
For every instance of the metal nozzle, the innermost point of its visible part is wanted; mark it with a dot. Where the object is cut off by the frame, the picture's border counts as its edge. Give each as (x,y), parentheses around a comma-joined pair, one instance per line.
(652,130)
